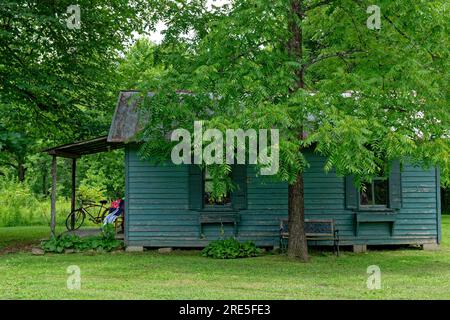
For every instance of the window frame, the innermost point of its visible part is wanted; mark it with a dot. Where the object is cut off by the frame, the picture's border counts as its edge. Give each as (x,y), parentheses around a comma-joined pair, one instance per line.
(372,186)
(215,207)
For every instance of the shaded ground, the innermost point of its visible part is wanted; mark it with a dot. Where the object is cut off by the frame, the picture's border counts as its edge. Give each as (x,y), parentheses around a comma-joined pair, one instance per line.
(15,239)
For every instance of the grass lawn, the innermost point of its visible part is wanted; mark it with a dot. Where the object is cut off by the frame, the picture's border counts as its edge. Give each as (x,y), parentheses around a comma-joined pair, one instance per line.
(20,238)
(406,274)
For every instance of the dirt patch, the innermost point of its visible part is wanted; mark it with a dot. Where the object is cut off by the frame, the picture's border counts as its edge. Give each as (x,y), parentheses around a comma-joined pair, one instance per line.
(17,247)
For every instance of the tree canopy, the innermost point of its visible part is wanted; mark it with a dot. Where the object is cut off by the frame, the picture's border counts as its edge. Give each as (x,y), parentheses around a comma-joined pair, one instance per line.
(59,83)
(63,74)
(322,72)
(314,70)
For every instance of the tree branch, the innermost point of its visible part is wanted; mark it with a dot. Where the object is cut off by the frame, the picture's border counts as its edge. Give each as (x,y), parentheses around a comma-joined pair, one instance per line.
(8,164)
(317,4)
(433,56)
(403,34)
(340,54)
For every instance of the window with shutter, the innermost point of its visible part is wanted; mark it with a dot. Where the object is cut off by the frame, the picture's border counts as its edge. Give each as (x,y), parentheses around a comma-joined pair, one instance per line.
(351,193)
(381,192)
(200,187)
(395,186)
(375,193)
(195,188)
(239,195)
(223,200)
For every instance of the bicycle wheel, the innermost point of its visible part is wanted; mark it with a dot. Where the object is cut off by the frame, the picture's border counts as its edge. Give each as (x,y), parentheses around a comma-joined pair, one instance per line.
(79,217)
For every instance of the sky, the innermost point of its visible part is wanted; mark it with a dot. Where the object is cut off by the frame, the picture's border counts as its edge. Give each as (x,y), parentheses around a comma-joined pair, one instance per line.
(157,36)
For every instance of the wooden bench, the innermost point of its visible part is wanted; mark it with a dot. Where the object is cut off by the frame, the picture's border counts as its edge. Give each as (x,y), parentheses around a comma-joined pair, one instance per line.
(219,218)
(315,230)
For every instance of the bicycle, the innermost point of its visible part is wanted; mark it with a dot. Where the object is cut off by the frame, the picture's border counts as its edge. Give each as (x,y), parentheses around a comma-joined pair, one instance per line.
(76,218)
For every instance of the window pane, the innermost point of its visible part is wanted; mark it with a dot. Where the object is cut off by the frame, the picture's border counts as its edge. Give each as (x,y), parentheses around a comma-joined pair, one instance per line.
(381,192)
(366,198)
(222,200)
(208,186)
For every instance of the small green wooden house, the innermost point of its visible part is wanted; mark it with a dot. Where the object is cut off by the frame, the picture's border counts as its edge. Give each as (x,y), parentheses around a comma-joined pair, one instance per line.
(164,204)
(169,206)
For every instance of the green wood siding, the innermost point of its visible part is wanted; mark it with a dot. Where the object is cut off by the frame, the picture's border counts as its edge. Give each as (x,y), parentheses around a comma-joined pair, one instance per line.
(395,186)
(351,194)
(160,213)
(195,191)
(239,196)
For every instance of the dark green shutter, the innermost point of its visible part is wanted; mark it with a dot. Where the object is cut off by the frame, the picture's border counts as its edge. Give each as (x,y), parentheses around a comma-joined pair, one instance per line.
(351,193)
(239,196)
(395,186)
(195,187)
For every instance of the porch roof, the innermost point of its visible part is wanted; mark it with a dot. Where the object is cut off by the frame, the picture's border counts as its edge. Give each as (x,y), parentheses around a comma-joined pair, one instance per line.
(81,148)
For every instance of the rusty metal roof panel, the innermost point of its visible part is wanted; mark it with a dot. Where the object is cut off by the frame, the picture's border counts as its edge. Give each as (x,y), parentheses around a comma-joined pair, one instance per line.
(81,148)
(128,118)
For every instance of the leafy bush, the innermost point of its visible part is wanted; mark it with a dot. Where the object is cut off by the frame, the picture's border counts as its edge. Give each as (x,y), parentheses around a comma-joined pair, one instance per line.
(108,237)
(230,249)
(90,193)
(59,243)
(105,242)
(103,174)
(21,207)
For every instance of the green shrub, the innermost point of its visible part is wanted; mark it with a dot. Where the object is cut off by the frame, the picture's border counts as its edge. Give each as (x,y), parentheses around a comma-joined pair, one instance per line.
(105,242)
(108,238)
(89,193)
(230,249)
(59,243)
(21,207)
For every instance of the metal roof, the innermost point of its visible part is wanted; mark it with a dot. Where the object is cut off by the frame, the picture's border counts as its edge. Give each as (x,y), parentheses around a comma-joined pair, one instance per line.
(124,126)
(128,118)
(78,149)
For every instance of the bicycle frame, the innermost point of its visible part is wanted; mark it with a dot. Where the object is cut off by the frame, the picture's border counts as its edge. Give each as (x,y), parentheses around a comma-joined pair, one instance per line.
(101,209)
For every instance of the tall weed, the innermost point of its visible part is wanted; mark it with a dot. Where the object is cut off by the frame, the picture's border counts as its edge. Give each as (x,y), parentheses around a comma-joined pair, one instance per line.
(19,206)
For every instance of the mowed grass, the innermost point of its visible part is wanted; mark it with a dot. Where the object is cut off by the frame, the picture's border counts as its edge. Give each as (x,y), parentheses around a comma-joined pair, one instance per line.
(405,274)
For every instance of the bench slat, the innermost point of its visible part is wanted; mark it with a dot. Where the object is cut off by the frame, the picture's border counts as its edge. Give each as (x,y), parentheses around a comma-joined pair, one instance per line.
(315,230)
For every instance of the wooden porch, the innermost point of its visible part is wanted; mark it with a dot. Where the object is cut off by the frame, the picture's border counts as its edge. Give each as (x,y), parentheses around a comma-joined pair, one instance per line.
(74,151)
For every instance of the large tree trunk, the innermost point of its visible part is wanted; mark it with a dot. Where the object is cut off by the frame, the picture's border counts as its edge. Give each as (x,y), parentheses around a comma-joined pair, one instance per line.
(297,246)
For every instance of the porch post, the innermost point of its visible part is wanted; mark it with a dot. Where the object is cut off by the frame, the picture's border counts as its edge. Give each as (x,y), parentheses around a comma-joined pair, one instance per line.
(72,203)
(53,200)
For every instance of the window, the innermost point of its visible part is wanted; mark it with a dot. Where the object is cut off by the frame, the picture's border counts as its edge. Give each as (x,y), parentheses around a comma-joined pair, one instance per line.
(201,185)
(208,201)
(375,193)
